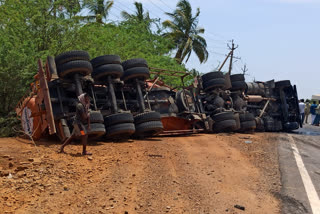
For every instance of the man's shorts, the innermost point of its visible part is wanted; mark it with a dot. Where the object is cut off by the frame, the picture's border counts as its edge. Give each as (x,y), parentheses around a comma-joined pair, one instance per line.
(79,130)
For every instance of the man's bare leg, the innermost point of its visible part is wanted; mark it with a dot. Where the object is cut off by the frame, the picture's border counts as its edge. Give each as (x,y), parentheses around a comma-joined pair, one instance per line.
(66,142)
(84,141)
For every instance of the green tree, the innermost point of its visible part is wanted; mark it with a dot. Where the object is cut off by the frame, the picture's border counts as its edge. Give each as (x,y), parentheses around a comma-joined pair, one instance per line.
(139,15)
(184,31)
(98,10)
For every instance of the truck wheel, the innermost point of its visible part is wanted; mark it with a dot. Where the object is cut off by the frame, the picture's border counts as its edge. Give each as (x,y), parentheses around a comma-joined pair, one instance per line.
(100,73)
(225,125)
(150,128)
(238,85)
(246,117)
(118,119)
(248,125)
(71,56)
(237,78)
(214,83)
(122,130)
(227,115)
(96,131)
(68,69)
(212,75)
(182,103)
(104,60)
(96,117)
(141,73)
(283,83)
(147,117)
(132,63)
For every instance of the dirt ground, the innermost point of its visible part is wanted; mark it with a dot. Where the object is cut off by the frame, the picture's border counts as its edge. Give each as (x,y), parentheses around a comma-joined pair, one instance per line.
(191,174)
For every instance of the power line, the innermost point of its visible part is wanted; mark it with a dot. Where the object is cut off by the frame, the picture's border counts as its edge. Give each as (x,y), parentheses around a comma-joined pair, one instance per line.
(157,6)
(125,6)
(167,5)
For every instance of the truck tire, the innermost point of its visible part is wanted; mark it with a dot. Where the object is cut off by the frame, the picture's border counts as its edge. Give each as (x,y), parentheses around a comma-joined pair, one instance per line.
(71,56)
(237,78)
(103,71)
(212,75)
(96,117)
(238,85)
(118,119)
(246,117)
(96,131)
(68,69)
(121,130)
(227,115)
(104,60)
(147,117)
(182,103)
(132,63)
(150,128)
(225,125)
(141,73)
(214,83)
(248,125)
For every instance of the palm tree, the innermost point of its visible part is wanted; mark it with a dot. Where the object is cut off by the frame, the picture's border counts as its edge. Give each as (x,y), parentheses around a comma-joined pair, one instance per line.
(139,14)
(184,31)
(98,9)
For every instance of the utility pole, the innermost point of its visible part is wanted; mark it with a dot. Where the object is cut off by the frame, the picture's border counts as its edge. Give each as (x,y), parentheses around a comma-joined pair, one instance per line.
(244,69)
(232,48)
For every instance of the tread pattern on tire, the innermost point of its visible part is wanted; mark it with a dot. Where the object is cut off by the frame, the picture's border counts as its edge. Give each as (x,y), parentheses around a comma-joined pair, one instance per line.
(118,118)
(136,72)
(96,117)
(212,75)
(248,125)
(246,117)
(147,117)
(78,66)
(238,85)
(225,125)
(132,63)
(120,130)
(214,83)
(227,115)
(149,128)
(71,56)
(97,129)
(114,70)
(237,78)
(105,59)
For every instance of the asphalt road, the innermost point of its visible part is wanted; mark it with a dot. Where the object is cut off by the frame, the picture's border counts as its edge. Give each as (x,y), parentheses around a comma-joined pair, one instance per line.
(299,157)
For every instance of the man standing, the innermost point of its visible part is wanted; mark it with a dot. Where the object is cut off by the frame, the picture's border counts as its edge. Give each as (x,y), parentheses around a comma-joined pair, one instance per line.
(313,111)
(301,109)
(307,111)
(79,130)
(317,119)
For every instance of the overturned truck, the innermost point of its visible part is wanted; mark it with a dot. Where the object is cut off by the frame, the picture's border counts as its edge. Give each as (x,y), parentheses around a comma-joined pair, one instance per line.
(131,99)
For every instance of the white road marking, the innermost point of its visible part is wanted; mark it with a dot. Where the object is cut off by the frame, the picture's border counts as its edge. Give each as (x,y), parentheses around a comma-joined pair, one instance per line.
(308,185)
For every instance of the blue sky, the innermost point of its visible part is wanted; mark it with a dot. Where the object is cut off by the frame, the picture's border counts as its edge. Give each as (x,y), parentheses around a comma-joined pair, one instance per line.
(278,39)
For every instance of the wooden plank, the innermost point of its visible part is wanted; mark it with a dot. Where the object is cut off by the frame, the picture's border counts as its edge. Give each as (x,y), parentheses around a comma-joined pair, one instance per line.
(44,94)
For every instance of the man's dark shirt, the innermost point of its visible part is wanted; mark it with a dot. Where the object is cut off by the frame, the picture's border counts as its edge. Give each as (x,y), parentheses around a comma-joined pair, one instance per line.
(81,114)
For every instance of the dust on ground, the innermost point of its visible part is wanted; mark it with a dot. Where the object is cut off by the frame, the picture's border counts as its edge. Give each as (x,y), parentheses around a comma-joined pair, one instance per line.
(202,173)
